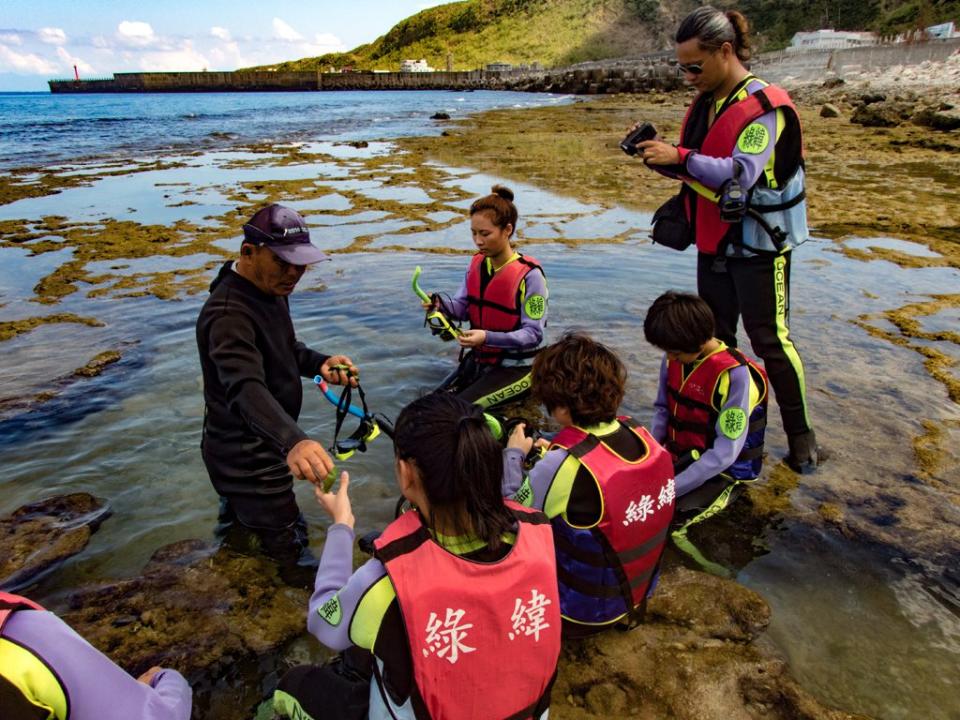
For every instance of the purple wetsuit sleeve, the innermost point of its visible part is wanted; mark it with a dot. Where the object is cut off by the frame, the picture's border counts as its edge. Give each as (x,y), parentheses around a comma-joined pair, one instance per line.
(334,578)
(97,688)
(541,474)
(530,333)
(658,425)
(724,451)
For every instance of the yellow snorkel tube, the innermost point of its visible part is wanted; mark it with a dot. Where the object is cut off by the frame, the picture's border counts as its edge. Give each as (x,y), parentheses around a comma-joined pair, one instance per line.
(435,318)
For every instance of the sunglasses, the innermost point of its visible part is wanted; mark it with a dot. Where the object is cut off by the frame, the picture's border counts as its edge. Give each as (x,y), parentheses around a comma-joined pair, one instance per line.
(693,68)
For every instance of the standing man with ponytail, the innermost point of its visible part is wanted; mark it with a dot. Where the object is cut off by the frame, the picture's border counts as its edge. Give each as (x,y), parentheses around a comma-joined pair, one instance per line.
(740,133)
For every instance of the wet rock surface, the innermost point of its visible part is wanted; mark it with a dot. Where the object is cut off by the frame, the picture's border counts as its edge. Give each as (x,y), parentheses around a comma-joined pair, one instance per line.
(36,538)
(700,654)
(219,617)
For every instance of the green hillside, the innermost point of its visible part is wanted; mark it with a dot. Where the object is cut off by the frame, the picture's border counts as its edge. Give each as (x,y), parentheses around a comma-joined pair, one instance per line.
(477,32)
(563,32)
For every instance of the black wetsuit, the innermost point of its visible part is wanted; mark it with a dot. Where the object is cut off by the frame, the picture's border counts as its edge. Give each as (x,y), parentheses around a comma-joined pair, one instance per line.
(252,368)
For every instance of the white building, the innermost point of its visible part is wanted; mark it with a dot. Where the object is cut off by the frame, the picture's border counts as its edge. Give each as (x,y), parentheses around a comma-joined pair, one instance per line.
(943,31)
(499,67)
(830,40)
(415,66)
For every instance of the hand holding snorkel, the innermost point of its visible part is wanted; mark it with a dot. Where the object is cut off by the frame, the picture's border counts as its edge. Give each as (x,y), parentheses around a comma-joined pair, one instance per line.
(337,504)
(435,318)
(339,370)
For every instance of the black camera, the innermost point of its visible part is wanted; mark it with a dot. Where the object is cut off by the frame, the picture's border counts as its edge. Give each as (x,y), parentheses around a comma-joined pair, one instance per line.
(733,202)
(645,131)
(733,198)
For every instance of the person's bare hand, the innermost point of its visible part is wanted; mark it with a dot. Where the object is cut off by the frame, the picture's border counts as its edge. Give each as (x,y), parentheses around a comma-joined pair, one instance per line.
(149,675)
(519,440)
(655,152)
(472,338)
(347,372)
(308,460)
(337,504)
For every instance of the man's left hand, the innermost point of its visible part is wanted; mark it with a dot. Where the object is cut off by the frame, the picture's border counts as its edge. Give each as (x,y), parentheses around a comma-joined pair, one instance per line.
(339,375)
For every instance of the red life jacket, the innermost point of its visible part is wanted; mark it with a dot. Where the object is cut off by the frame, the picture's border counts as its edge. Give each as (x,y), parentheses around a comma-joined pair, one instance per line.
(10,603)
(637,499)
(691,404)
(481,634)
(720,141)
(494,301)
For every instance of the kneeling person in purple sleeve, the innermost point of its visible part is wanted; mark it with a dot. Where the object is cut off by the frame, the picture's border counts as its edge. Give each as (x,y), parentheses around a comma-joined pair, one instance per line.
(605,483)
(49,672)
(457,611)
(711,409)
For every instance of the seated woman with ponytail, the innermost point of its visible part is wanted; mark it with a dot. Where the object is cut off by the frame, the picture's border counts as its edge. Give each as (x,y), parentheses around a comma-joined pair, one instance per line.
(459,605)
(504,296)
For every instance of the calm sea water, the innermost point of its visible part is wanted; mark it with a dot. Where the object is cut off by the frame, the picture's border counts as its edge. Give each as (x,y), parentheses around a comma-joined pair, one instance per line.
(873,631)
(40,128)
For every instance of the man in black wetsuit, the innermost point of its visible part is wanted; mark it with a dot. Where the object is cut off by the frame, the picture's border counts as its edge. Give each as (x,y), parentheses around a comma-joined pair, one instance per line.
(252,368)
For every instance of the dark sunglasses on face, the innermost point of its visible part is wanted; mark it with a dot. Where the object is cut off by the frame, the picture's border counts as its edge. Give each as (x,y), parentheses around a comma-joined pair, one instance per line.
(693,68)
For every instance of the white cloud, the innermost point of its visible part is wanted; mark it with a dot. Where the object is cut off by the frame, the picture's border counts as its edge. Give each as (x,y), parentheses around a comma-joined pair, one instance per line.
(10,39)
(52,36)
(26,63)
(220,33)
(327,40)
(181,59)
(282,31)
(70,60)
(135,33)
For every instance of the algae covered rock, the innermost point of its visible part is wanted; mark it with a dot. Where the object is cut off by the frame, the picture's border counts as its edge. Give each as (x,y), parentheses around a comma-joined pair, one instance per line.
(695,658)
(219,617)
(36,538)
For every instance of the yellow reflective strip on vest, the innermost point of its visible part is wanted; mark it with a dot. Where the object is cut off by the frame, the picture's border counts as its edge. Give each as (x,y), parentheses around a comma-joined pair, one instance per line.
(367,618)
(33,678)
(768,169)
(558,494)
(703,190)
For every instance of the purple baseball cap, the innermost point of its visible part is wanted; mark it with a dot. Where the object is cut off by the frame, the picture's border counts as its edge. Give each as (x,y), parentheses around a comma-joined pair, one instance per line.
(285,232)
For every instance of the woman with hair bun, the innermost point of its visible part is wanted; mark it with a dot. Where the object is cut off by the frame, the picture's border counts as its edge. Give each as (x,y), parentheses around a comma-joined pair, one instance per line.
(740,159)
(457,615)
(504,296)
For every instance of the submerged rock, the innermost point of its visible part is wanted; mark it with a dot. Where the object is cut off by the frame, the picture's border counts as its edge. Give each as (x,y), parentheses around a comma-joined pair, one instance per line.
(695,658)
(219,617)
(40,536)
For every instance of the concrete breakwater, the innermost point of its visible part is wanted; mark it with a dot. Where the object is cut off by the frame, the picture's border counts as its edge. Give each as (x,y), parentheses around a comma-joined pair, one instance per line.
(635,78)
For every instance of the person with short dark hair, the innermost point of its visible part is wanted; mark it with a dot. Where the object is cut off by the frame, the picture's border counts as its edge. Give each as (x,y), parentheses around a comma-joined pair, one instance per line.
(49,672)
(252,367)
(459,604)
(605,483)
(740,161)
(504,296)
(711,406)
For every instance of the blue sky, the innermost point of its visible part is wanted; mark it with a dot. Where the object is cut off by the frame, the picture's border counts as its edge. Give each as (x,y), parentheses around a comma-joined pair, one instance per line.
(43,39)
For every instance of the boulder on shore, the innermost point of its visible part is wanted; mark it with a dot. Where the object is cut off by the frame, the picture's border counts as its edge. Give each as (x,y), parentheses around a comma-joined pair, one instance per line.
(695,658)
(38,537)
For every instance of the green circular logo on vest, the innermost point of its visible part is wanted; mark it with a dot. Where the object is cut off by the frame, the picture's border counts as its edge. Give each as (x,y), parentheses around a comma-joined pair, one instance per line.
(754,139)
(535,306)
(733,422)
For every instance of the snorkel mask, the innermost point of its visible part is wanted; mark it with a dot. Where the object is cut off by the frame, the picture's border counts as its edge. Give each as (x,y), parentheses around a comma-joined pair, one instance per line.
(368,430)
(435,318)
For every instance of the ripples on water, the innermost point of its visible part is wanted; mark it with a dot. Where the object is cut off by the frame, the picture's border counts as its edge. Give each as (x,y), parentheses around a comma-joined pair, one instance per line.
(868,631)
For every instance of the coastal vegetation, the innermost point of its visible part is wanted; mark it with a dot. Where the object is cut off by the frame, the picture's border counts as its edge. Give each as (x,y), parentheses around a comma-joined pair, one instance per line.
(473,33)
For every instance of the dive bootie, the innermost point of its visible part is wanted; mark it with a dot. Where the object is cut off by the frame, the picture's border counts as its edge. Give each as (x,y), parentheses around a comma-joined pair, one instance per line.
(805,455)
